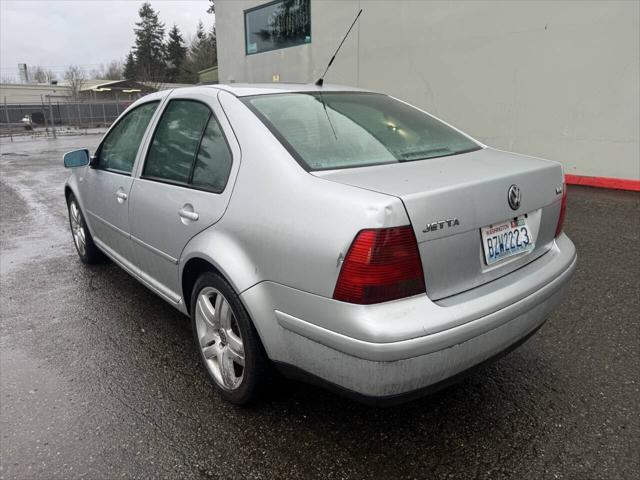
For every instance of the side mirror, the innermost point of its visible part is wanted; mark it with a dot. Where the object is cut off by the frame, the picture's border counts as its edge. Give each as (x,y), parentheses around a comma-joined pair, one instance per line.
(77,158)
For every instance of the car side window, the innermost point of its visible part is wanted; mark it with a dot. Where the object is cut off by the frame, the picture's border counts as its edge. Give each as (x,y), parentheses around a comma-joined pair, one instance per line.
(189,148)
(176,140)
(119,148)
(213,163)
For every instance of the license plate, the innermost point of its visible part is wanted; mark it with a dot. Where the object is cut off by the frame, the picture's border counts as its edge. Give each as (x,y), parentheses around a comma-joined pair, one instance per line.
(506,239)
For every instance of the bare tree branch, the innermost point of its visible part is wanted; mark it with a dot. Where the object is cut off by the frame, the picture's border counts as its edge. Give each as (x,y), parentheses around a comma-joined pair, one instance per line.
(41,75)
(110,71)
(76,78)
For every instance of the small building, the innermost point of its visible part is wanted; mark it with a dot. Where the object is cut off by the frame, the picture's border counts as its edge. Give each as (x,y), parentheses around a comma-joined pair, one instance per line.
(93,89)
(14,93)
(208,75)
(123,89)
(98,103)
(114,90)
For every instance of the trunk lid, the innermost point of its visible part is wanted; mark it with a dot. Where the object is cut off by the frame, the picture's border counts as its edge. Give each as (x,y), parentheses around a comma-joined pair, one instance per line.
(471,188)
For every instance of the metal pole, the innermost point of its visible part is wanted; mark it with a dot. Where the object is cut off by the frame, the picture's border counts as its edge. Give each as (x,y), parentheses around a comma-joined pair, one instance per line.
(90,114)
(6,109)
(44,114)
(6,114)
(53,125)
(104,116)
(79,116)
(66,109)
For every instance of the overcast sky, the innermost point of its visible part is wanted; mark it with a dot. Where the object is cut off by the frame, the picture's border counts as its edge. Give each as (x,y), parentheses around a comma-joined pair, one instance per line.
(57,33)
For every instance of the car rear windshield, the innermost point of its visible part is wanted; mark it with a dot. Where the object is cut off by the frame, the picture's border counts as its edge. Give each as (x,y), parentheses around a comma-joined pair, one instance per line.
(334,130)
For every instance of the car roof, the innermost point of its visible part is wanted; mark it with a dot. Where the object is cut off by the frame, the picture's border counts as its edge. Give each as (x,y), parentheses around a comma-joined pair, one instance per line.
(247,89)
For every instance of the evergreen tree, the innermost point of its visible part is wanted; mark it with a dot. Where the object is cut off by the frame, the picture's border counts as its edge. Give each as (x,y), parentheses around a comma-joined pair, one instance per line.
(202,53)
(213,45)
(176,55)
(129,71)
(149,47)
(200,31)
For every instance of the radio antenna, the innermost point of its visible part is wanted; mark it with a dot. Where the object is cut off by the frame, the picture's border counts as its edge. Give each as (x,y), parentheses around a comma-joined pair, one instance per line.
(320,81)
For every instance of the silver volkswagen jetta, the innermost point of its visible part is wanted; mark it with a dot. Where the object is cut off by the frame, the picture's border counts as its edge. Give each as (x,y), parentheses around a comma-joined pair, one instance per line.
(342,235)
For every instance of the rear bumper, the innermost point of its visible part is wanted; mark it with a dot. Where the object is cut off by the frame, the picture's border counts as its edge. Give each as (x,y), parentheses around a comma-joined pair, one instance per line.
(391,349)
(297,373)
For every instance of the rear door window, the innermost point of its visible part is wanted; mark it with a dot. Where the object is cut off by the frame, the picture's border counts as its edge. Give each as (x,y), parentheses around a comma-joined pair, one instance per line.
(120,147)
(213,162)
(189,148)
(176,141)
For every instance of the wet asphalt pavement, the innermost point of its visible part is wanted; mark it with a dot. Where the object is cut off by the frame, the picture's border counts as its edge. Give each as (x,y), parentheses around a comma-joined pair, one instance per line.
(99,378)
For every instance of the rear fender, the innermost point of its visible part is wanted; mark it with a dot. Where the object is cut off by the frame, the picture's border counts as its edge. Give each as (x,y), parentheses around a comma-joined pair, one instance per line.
(220,249)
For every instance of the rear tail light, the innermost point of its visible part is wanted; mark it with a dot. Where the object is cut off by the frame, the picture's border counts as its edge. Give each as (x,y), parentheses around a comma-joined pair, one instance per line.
(563,210)
(381,265)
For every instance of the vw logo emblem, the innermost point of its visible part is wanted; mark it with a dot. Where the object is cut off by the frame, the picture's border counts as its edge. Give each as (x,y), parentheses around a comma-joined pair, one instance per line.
(515,197)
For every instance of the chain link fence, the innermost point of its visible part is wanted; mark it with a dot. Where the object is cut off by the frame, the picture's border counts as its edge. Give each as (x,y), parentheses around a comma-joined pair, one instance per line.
(54,117)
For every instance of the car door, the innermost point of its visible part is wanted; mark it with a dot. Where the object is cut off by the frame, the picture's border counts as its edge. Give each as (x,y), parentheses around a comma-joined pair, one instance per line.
(107,185)
(183,185)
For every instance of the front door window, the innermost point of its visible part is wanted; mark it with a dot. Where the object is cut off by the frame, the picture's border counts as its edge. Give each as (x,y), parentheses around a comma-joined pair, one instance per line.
(119,149)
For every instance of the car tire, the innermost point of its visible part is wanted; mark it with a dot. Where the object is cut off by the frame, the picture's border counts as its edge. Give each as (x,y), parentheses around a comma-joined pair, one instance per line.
(228,344)
(82,239)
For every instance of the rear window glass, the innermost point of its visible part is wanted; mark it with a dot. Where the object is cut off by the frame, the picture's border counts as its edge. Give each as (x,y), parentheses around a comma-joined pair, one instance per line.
(335,130)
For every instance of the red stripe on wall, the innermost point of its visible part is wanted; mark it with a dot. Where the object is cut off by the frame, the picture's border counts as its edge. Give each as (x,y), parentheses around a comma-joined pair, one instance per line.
(604,182)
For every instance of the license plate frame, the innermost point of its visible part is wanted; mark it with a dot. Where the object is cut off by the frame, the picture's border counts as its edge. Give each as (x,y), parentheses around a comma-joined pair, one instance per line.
(507,239)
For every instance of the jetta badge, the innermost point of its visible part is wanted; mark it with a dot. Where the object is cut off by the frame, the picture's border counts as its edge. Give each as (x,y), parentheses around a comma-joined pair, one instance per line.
(440,224)
(515,197)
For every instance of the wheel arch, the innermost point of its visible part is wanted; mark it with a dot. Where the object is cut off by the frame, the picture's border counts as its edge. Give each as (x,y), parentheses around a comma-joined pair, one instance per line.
(71,188)
(216,252)
(191,271)
(196,266)
(68,192)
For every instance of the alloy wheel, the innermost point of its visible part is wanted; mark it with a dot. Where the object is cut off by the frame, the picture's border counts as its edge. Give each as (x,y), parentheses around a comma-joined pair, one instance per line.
(219,338)
(78,228)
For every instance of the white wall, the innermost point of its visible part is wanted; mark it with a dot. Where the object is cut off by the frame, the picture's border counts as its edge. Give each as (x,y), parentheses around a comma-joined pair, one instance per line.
(26,93)
(559,80)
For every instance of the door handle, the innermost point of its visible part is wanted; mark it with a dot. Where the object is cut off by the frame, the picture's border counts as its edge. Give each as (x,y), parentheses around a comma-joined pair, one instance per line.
(121,196)
(188,214)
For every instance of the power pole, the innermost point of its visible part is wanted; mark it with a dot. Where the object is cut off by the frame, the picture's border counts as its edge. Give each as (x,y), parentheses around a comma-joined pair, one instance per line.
(53,124)
(44,115)
(6,114)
